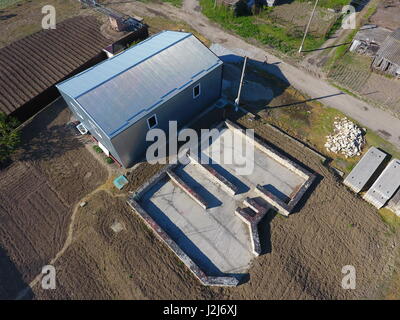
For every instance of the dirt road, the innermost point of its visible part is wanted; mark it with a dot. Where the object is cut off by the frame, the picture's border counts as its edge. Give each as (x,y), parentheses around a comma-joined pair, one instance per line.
(376,119)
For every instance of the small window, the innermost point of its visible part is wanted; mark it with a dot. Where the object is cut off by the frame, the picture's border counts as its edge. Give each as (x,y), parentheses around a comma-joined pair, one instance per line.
(196,91)
(152,121)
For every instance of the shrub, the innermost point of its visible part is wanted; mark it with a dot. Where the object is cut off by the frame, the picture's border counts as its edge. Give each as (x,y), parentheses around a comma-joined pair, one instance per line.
(9,136)
(109,160)
(97,149)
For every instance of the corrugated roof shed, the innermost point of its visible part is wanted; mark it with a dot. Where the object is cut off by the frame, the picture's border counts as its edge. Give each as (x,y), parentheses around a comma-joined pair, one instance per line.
(123,89)
(365,168)
(372,33)
(390,49)
(31,65)
(385,186)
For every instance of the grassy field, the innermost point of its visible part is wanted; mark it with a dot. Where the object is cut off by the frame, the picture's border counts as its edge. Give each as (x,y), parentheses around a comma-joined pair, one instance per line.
(268,28)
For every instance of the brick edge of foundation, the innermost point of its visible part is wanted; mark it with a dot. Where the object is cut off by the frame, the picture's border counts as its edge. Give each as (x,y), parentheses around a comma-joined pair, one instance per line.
(188,190)
(193,267)
(217,177)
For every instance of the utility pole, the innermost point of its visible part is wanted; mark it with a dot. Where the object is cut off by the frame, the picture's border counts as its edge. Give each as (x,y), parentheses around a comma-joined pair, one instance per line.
(237,100)
(308,26)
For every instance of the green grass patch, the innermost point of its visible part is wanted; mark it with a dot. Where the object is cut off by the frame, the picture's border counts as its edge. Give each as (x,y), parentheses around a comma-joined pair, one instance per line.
(311,122)
(97,149)
(260,28)
(8,3)
(336,4)
(109,160)
(390,219)
(176,3)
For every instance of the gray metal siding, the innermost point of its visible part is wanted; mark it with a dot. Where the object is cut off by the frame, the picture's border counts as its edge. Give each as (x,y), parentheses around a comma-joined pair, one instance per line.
(81,115)
(131,143)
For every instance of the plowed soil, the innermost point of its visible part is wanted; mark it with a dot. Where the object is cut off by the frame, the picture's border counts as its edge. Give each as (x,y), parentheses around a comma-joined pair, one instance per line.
(332,228)
(38,190)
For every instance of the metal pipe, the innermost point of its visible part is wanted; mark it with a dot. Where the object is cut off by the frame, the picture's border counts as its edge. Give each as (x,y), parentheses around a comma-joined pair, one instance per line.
(308,26)
(237,100)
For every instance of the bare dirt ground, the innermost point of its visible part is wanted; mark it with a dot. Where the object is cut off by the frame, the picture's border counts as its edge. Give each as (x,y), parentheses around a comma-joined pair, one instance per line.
(131,264)
(298,14)
(52,171)
(25,17)
(331,229)
(387,14)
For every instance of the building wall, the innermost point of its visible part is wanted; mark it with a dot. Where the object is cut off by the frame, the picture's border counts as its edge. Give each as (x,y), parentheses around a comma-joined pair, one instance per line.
(131,144)
(84,118)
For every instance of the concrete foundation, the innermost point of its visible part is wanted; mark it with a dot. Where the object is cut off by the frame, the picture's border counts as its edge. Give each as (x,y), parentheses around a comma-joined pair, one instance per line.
(385,186)
(365,169)
(208,214)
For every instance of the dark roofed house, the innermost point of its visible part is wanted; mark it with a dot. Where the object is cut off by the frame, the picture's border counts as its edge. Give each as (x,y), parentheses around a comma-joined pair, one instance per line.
(387,59)
(30,67)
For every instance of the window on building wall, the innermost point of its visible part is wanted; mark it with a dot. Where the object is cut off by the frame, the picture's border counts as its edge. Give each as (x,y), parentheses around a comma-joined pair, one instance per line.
(196,91)
(152,121)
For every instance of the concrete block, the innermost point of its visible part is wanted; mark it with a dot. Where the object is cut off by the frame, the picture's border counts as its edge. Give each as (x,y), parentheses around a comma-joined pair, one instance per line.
(385,186)
(364,170)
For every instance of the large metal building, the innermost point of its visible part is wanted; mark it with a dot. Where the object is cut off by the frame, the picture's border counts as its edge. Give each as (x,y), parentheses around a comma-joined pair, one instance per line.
(170,76)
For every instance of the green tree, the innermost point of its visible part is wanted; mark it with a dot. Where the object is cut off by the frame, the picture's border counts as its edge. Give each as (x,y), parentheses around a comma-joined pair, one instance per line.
(9,136)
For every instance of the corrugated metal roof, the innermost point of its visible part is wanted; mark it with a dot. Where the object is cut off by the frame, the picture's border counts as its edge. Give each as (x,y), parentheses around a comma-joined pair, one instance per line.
(390,49)
(123,89)
(372,33)
(35,63)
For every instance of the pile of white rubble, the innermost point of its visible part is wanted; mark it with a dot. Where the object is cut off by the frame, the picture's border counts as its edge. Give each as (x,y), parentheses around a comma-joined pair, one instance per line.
(347,139)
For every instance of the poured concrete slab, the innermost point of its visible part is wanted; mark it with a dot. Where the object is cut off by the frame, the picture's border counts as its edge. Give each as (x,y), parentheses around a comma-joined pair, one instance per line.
(214,238)
(385,186)
(211,235)
(267,172)
(364,170)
